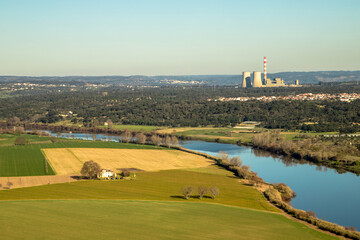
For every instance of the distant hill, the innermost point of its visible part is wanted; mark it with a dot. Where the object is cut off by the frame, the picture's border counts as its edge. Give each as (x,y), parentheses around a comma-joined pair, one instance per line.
(137,80)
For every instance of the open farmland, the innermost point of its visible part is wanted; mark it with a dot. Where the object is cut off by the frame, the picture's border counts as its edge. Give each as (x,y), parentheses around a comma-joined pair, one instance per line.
(28,160)
(71,160)
(126,219)
(161,185)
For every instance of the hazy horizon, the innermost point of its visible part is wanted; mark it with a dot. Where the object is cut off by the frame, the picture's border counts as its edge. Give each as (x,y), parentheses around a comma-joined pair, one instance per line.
(158,37)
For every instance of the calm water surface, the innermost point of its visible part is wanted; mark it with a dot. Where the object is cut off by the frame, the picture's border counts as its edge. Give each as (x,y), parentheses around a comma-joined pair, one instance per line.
(332,196)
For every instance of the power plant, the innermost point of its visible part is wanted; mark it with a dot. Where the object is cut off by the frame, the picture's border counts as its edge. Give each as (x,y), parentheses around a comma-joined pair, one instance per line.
(257,82)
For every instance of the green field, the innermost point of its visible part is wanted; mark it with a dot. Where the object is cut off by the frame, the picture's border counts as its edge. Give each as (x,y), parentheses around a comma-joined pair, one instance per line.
(126,219)
(9,139)
(28,160)
(161,185)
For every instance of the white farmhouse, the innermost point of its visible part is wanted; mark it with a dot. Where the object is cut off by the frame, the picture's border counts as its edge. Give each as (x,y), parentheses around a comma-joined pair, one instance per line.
(106,173)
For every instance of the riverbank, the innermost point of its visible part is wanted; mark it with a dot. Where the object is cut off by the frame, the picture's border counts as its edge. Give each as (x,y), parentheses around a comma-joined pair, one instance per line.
(184,149)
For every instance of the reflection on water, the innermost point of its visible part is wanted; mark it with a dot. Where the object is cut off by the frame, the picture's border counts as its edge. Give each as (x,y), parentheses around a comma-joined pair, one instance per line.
(332,196)
(286,160)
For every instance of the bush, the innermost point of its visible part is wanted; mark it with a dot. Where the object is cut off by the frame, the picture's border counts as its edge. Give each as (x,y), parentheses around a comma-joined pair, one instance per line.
(125,173)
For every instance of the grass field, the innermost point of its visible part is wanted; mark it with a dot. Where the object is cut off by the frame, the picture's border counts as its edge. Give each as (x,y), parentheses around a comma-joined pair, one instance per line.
(28,160)
(9,139)
(162,185)
(112,219)
(71,160)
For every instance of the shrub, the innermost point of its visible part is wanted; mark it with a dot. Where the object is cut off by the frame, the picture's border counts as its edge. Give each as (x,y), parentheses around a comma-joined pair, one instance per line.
(125,173)
(244,172)
(311,213)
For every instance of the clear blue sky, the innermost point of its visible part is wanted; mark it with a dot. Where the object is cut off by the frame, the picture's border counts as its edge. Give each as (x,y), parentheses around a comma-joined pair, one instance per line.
(154,37)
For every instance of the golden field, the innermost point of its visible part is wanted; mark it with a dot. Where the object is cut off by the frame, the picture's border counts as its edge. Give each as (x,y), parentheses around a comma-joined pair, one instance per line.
(70,160)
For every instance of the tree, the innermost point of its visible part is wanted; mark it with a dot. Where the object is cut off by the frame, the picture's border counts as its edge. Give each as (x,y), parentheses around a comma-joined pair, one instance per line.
(214,191)
(126,136)
(244,172)
(174,140)
(90,169)
(186,191)
(167,141)
(202,191)
(109,123)
(140,138)
(155,139)
(20,141)
(93,136)
(236,161)
(223,155)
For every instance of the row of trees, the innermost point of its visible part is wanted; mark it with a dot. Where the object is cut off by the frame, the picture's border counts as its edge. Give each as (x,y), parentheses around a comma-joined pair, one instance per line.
(201,191)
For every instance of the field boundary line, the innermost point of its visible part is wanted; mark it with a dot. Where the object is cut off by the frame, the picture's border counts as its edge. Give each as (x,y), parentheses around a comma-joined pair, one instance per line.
(47,160)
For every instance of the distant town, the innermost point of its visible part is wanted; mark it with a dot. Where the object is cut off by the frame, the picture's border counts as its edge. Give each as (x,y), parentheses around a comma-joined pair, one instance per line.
(344,97)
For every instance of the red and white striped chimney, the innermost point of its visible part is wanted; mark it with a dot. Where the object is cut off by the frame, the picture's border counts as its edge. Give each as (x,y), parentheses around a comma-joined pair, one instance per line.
(264,68)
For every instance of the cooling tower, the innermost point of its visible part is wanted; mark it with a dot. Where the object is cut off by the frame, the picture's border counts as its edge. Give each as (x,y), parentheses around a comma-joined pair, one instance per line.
(246,80)
(257,79)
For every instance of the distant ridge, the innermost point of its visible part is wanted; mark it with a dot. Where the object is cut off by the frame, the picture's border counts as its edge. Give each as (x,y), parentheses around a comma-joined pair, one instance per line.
(137,80)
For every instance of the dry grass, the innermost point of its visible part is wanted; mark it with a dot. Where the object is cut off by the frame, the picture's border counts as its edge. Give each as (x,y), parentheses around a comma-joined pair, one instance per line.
(70,160)
(20,182)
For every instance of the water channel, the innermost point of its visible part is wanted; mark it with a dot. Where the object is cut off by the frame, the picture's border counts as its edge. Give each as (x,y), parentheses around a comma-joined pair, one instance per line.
(332,196)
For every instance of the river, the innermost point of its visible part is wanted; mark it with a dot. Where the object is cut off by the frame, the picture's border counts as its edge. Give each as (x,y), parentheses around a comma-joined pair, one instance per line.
(332,196)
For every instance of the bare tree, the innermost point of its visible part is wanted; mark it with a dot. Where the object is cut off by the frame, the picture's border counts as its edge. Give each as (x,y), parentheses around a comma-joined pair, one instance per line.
(202,191)
(93,136)
(167,141)
(223,155)
(109,123)
(186,191)
(155,139)
(126,136)
(244,171)
(90,169)
(214,191)
(236,161)
(140,138)
(174,140)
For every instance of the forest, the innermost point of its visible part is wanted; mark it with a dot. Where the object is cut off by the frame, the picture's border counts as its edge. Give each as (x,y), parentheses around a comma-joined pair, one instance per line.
(187,106)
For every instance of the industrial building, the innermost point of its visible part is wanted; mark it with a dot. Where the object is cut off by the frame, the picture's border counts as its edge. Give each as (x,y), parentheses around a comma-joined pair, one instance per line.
(257,81)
